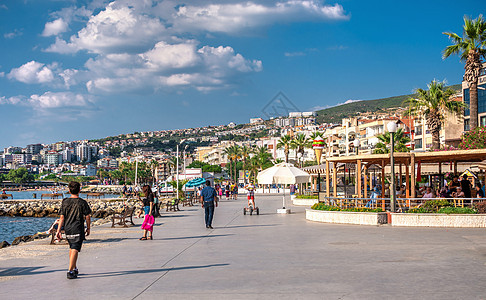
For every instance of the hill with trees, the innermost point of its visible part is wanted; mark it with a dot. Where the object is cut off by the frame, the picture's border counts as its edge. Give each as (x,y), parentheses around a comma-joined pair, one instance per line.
(336,113)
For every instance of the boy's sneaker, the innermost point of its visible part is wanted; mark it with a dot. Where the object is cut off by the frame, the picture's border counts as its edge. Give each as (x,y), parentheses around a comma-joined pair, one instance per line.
(71,275)
(76,271)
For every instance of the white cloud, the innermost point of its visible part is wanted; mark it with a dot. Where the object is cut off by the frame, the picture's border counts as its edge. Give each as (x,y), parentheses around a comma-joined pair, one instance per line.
(292,54)
(60,99)
(165,55)
(238,17)
(55,27)
(13,34)
(32,72)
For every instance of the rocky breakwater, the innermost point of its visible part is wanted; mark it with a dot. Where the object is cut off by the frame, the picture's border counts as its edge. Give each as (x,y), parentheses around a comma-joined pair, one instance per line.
(39,209)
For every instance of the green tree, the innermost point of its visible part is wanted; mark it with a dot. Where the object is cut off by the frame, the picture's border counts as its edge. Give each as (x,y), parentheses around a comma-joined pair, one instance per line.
(263,158)
(434,104)
(233,153)
(399,139)
(300,142)
(284,143)
(472,49)
(20,175)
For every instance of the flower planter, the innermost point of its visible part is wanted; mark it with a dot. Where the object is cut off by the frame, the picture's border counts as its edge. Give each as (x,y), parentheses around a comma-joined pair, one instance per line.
(438,220)
(346,217)
(303,202)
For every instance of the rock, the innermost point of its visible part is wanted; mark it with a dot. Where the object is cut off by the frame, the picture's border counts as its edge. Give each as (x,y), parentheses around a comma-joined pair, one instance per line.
(22,239)
(4,244)
(40,235)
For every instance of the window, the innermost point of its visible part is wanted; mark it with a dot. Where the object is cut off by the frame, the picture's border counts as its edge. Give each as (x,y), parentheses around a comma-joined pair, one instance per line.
(418,130)
(418,143)
(481,100)
(466,125)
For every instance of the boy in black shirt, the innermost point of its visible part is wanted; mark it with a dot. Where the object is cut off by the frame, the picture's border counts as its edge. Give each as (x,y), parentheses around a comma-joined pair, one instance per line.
(74,211)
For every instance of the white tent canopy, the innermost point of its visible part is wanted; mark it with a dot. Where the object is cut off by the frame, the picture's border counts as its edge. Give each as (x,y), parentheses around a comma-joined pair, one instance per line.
(283,173)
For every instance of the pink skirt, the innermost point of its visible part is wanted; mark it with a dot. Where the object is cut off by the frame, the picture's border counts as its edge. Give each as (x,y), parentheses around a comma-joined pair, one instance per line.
(148,223)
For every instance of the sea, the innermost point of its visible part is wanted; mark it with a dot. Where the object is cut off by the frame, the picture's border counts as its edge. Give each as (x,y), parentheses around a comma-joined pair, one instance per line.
(12,227)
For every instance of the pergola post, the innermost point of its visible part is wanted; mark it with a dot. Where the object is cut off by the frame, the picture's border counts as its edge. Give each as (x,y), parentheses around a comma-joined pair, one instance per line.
(440,175)
(358,180)
(407,179)
(455,167)
(383,185)
(412,171)
(400,175)
(328,192)
(365,185)
(334,179)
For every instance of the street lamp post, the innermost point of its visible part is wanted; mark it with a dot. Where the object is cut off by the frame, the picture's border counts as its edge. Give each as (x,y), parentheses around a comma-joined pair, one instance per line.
(392,128)
(177,168)
(184,161)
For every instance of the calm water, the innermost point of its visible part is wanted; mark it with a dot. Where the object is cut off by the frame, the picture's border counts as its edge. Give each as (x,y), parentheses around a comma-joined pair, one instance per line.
(12,227)
(29,194)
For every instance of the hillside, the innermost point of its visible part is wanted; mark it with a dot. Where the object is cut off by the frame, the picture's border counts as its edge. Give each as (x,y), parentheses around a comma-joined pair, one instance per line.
(336,113)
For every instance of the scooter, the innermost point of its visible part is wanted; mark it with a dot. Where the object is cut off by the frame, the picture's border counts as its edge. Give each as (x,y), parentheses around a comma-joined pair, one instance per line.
(250,210)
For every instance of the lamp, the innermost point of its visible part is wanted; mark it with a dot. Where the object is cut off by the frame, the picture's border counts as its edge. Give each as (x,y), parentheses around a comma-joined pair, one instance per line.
(392,128)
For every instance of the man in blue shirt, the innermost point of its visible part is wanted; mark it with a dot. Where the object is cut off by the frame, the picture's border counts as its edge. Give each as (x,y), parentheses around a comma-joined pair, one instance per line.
(209,200)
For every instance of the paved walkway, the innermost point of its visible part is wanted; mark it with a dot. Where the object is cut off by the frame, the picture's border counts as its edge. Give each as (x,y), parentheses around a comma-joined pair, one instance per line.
(255,257)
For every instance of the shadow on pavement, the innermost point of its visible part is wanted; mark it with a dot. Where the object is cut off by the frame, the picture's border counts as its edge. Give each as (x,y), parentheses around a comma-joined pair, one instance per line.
(18,271)
(171,216)
(196,237)
(108,240)
(240,226)
(121,273)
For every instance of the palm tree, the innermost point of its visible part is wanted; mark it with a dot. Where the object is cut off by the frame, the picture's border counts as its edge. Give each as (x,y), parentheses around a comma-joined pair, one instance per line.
(472,48)
(284,142)
(316,134)
(399,139)
(245,152)
(263,158)
(433,104)
(300,142)
(233,154)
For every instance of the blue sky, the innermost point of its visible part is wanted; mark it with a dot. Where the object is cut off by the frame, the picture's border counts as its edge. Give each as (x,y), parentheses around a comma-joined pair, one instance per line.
(89,69)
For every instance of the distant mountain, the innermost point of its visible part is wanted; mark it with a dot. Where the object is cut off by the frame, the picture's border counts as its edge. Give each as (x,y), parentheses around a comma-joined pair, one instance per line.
(336,113)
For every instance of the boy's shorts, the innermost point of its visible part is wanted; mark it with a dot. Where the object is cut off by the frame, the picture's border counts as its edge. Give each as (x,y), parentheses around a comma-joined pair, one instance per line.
(75,242)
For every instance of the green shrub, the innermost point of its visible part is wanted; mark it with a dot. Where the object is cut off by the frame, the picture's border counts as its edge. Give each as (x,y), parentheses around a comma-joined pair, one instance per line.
(456,210)
(322,206)
(306,197)
(432,206)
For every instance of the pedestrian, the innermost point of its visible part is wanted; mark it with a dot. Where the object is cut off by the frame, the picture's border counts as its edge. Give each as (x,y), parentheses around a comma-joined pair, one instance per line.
(148,208)
(466,186)
(74,211)
(479,191)
(209,200)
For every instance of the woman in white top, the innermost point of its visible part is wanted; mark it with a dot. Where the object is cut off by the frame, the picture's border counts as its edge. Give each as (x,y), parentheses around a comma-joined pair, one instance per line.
(429,193)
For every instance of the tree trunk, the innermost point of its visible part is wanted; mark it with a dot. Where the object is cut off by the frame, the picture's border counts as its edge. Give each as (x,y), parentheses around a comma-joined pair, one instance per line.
(473,105)
(435,140)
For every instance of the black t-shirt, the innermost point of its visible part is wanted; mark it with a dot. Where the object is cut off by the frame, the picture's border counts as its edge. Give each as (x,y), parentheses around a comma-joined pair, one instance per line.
(466,187)
(74,211)
(146,201)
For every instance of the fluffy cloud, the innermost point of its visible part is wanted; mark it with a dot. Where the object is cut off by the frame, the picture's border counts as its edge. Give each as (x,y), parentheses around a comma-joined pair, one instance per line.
(55,27)
(169,65)
(60,99)
(32,72)
(117,29)
(238,17)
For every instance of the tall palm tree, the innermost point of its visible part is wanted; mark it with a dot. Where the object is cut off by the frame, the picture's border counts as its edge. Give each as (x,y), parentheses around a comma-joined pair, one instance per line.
(263,158)
(233,154)
(472,48)
(399,140)
(284,142)
(245,152)
(316,134)
(300,142)
(433,104)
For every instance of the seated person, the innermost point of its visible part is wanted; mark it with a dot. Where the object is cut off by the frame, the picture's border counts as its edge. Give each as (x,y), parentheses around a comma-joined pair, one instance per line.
(458,193)
(444,193)
(54,226)
(479,191)
(429,193)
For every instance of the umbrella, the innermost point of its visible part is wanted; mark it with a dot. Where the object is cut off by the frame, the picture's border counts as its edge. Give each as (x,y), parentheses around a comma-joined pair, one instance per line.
(283,173)
(195,182)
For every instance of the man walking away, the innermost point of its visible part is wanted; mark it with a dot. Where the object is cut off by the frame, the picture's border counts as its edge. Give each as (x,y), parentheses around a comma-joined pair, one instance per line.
(209,200)
(74,211)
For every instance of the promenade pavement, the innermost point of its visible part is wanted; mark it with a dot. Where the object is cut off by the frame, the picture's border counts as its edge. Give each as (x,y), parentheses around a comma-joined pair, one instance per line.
(254,257)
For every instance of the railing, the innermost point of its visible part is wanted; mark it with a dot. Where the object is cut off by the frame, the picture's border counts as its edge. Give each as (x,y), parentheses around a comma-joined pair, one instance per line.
(401,204)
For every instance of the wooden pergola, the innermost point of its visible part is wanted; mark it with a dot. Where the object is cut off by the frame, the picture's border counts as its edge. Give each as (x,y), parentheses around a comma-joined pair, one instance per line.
(406,159)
